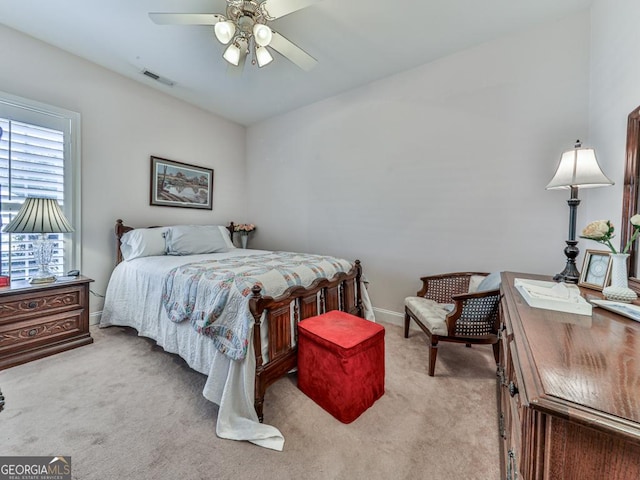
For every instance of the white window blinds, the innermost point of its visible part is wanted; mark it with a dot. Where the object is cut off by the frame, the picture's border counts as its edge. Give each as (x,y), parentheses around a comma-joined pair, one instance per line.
(35,159)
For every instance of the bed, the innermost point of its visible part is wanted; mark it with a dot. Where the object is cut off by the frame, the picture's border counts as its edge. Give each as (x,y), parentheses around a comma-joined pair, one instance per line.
(219,312)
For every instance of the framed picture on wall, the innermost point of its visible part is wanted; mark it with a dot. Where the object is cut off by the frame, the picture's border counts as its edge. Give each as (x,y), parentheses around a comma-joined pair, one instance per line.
(176,184)
(596,270)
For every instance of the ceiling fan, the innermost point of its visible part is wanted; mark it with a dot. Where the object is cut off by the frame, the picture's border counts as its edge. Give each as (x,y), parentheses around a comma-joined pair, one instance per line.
(244,28)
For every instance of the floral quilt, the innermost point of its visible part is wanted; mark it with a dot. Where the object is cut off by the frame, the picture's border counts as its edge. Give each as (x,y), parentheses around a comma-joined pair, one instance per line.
(214,294)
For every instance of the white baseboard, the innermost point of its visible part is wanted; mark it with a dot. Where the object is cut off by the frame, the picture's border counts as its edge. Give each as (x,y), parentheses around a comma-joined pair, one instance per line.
(94,318)
(389,316)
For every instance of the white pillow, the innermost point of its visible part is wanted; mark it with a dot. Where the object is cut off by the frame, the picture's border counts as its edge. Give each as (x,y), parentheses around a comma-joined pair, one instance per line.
(143,242)
(195,239)
(226,234)
(490,282)
(474,281)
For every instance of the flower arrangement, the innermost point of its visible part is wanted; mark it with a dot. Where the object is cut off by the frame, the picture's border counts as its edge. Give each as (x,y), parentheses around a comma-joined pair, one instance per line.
(244,228)
(602,231)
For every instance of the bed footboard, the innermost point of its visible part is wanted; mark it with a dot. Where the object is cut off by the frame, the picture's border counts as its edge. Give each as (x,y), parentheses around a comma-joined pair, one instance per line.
(280,316)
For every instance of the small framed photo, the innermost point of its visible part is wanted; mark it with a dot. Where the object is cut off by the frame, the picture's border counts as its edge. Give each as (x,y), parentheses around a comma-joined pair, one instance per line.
(596,270)
(176,184)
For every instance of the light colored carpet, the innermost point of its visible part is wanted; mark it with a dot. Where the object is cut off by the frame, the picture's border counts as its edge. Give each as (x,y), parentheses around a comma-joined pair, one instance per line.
(125,409)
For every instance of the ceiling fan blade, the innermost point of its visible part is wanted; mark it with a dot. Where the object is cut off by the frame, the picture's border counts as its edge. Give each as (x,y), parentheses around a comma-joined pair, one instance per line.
(279,8)
(186,18)
(291,51)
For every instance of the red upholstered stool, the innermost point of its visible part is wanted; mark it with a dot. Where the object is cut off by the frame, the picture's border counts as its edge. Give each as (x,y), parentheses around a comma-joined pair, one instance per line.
(341,363)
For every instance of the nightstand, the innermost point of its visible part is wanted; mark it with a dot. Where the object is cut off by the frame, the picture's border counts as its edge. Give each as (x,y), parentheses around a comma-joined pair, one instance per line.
(39,320)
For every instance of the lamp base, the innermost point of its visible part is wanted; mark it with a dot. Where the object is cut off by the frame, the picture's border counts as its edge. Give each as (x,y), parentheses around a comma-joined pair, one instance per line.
(36,280)
(567,276)
(42,254)
(570,274)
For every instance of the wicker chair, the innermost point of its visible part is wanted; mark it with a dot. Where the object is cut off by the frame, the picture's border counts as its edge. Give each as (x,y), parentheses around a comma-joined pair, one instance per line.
(446,311)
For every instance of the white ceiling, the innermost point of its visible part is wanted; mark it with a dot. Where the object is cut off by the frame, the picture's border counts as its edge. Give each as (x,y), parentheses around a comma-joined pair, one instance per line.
(354,41)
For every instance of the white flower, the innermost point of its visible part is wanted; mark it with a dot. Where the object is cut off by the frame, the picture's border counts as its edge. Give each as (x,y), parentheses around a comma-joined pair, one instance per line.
(244,228)
(602,231)
(599,230)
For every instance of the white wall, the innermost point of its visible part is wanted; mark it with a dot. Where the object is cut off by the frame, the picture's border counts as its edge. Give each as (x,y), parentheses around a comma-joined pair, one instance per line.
(615,92)
(441,168)
(123,123)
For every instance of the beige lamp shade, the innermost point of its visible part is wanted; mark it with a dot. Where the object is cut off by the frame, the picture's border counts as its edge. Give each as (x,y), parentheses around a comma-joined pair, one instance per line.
(39,215)
(579,168)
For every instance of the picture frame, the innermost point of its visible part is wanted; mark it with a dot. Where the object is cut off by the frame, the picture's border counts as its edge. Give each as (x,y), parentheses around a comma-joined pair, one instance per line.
(177,184)
(596,270)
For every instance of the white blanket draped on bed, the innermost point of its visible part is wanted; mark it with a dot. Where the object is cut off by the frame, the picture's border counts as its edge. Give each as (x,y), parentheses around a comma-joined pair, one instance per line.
(134,299)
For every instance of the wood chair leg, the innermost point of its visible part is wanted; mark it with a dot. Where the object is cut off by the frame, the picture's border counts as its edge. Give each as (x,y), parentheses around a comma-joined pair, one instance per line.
(433,353)
(496,352)
(407,320)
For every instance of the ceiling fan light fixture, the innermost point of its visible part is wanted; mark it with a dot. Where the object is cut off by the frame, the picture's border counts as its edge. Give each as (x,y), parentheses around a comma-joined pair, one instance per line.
(263,56)
(262,34)
(244,30)
(232,54)
(224,31)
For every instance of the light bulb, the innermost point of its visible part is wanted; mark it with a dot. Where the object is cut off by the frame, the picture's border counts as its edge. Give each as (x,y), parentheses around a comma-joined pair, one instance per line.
(232,54)
(263,56)
(262,34)
(224,31)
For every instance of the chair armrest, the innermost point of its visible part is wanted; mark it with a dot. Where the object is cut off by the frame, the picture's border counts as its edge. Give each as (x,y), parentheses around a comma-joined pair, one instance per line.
(475,312)
(441,288)
(465,296)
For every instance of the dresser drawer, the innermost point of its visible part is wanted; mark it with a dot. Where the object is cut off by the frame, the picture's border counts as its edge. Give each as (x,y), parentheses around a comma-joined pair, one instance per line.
(34,333)
(22,306)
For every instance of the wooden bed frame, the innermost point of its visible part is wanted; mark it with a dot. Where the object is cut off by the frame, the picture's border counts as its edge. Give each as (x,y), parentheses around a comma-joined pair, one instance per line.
(342,292)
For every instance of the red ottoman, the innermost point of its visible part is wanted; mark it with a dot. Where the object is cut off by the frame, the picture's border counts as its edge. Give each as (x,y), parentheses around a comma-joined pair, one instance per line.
(341,363)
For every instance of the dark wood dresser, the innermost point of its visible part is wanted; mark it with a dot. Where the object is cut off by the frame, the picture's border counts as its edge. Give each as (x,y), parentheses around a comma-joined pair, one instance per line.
(40,320)
(569,392)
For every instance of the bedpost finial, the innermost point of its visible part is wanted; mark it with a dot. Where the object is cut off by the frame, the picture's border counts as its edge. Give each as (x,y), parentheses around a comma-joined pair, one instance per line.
(256,290)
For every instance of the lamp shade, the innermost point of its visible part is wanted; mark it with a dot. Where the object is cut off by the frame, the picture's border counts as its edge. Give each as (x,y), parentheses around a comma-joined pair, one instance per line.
(232,54)
(262,34)
(39,215)
(263,56)
(579,168)
(224,31)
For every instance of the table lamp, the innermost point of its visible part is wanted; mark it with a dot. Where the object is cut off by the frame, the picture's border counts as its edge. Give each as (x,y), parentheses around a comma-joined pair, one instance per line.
(578,168)
(43,216)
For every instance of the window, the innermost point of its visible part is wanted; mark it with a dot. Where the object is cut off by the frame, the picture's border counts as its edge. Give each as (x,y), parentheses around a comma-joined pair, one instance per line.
(39,156)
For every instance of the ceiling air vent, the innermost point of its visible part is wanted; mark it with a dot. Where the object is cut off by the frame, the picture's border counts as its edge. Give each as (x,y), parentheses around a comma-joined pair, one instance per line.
(158,78)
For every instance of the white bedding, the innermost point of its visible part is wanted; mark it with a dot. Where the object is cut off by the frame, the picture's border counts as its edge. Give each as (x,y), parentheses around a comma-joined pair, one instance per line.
(134,299)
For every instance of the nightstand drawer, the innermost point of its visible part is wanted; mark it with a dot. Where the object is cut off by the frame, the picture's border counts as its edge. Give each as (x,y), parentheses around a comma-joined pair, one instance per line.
(28,305)
(22,336)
